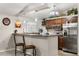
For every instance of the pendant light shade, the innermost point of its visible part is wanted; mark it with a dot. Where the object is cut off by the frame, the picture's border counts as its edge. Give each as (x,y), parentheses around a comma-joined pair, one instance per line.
(54,12)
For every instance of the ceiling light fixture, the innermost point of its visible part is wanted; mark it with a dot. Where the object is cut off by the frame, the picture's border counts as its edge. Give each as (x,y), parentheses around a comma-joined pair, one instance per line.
(35,19)
(24,22)
(54,12)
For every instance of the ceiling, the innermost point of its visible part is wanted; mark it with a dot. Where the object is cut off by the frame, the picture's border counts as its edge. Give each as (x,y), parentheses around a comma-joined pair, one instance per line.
(30,9)
(10,8)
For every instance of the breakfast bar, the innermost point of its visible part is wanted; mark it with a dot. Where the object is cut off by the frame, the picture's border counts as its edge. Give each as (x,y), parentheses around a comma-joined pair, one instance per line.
(46,45)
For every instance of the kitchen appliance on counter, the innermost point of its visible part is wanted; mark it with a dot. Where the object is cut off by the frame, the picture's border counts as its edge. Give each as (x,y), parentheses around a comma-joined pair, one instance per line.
(57,27)
(70,37)
(55,30)
(43,31)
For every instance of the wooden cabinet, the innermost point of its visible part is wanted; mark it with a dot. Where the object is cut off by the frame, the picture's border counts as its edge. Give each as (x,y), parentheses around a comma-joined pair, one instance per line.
(60,42)
(58,21)
(50,22)
(74,19)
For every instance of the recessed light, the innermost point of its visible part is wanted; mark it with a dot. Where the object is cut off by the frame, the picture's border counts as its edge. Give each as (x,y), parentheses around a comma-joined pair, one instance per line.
(35,19)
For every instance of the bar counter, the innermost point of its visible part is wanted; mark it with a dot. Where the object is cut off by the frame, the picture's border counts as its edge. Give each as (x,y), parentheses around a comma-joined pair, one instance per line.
(32,35)
(47,45)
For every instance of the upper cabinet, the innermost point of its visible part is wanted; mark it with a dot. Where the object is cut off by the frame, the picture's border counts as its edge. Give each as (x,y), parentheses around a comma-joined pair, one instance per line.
(52,23)
(58,21)
(74,19)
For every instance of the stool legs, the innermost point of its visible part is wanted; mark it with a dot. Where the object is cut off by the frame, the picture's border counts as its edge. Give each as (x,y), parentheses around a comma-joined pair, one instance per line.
(15,50)
(24,51)
(34,52)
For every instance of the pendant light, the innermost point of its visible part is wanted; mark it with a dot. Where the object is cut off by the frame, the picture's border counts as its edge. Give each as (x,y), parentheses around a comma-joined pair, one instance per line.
(54,12)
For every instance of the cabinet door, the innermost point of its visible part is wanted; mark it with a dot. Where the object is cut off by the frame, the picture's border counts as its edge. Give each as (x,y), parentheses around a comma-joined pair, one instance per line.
(63,21)
(58,21)
(50,22)
(60,42)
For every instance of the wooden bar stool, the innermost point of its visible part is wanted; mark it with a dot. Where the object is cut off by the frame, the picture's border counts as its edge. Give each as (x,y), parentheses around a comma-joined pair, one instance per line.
(25,47)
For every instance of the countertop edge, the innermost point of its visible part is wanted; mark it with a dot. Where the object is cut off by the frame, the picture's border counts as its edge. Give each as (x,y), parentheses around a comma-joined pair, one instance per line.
(34,35)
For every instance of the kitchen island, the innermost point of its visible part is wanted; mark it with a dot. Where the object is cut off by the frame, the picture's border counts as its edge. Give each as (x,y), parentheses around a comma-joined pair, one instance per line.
(46,45)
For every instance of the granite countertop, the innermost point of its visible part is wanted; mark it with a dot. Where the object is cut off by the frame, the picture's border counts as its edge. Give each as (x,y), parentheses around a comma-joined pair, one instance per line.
(35,35)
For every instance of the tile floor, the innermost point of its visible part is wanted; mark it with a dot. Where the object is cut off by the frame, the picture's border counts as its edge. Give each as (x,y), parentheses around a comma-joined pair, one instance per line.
(62,53)
(11,53)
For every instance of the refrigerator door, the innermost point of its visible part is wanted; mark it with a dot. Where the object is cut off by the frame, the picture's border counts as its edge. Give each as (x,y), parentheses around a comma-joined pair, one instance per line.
(70,43)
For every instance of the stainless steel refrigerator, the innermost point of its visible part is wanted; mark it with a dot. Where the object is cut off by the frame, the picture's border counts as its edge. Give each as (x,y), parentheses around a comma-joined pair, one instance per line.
(70,37)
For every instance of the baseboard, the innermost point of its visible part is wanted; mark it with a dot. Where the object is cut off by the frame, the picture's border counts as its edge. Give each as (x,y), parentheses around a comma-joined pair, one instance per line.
(7,50)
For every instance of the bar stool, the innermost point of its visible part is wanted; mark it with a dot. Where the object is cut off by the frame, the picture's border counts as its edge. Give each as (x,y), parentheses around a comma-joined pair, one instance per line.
(25,47)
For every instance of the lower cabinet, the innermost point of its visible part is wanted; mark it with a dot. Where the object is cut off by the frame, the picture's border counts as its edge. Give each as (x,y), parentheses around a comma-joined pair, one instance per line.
(60,42)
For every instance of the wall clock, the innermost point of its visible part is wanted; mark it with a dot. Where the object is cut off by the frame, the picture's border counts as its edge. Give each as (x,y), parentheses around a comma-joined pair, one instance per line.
(6,21)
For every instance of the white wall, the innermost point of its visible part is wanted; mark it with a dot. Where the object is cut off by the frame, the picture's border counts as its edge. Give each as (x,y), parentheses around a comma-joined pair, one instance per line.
(5,33)
(6,40)
(29,20)
(78,30)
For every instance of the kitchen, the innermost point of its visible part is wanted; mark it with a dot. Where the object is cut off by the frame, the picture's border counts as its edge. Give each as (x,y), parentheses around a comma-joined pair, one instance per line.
(47,26)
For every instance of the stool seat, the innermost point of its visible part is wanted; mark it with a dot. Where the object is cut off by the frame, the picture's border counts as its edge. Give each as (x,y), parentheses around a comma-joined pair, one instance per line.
(20,44)
(29,47)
